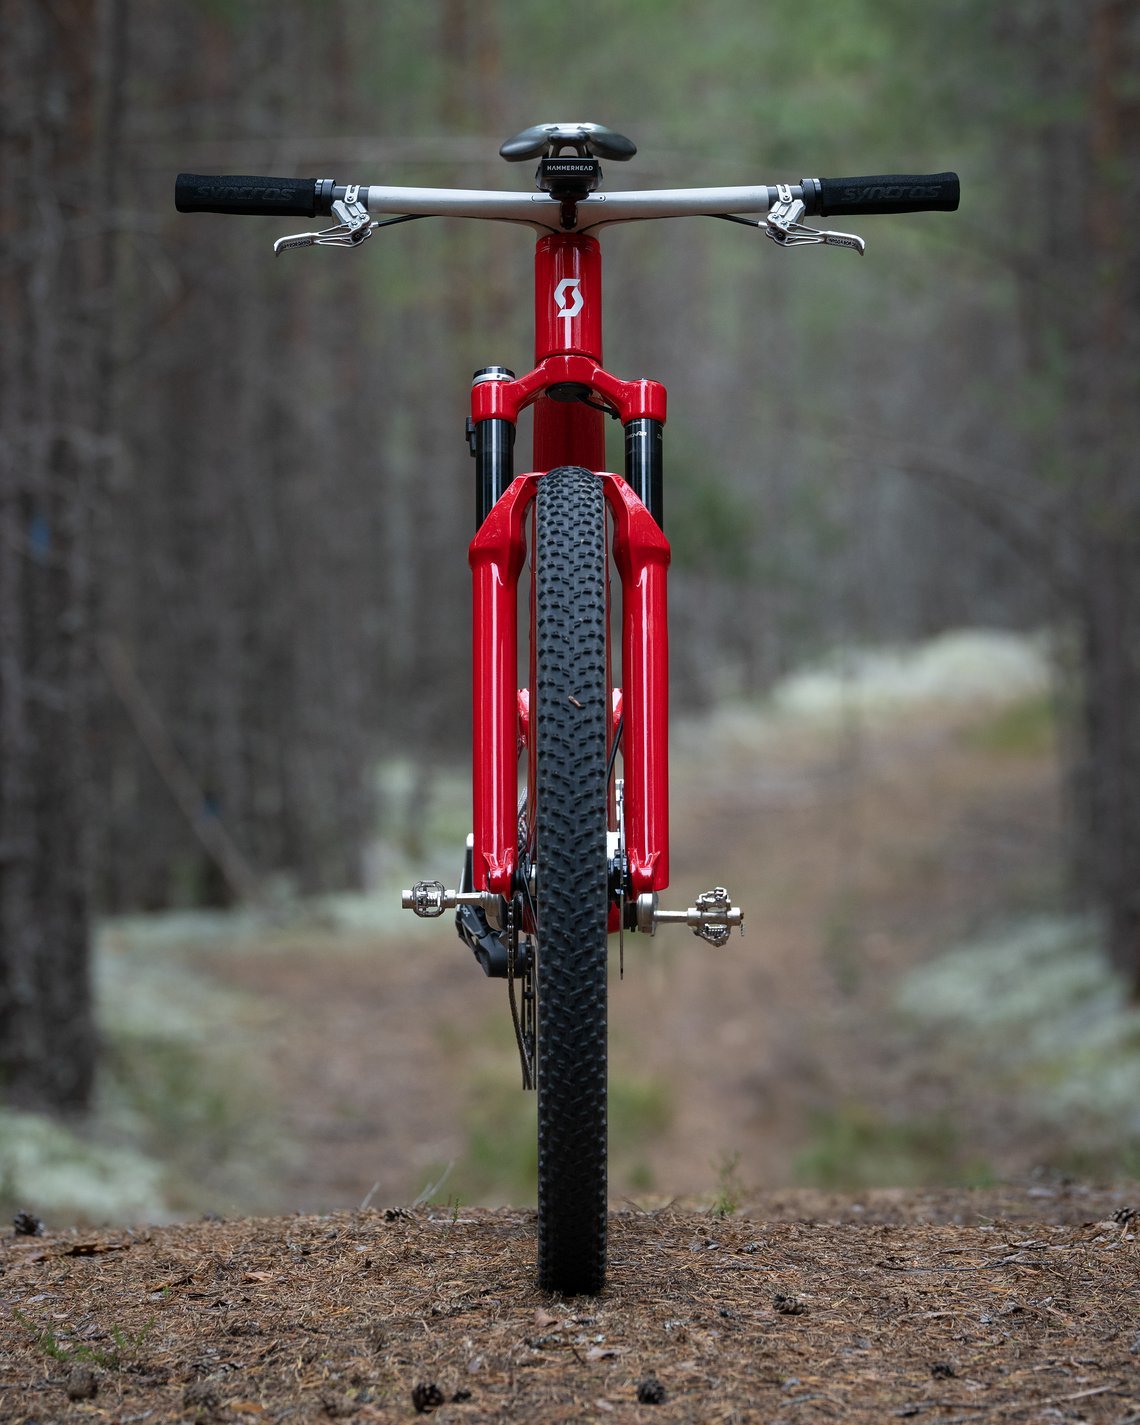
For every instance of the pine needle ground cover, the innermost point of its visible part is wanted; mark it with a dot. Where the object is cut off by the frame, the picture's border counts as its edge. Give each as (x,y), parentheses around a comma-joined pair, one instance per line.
(938,1306)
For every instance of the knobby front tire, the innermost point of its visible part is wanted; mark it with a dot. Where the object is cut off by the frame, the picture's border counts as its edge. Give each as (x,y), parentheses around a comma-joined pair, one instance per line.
(572,893)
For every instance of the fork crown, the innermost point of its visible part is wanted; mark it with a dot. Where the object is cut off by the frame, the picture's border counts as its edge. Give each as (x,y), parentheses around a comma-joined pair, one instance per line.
(568,355)
(631,400)
(568,339)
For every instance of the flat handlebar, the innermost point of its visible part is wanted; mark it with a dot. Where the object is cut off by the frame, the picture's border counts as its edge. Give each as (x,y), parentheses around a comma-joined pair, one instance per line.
(308,197)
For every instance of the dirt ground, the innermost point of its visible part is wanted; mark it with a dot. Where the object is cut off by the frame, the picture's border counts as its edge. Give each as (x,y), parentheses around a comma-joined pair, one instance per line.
(941,1307)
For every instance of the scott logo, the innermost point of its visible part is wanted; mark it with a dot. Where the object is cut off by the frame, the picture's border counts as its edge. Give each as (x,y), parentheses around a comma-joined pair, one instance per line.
(568,300)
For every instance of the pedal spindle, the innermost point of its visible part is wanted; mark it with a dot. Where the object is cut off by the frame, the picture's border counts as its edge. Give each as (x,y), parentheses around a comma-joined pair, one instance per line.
(712,917)
(430,899)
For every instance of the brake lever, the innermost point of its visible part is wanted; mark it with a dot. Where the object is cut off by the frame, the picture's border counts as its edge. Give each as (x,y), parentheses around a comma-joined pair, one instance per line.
(783,226)
(354,226)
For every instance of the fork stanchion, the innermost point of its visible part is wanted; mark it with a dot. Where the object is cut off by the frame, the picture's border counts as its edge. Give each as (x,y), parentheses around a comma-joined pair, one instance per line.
(492,443)
(644,464)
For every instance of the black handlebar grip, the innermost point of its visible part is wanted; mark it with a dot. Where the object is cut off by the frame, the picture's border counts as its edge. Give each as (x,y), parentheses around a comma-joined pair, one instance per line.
(884,193)
(233,193)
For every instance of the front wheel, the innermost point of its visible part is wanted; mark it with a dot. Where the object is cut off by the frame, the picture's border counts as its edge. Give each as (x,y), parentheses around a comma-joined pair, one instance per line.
(571,877)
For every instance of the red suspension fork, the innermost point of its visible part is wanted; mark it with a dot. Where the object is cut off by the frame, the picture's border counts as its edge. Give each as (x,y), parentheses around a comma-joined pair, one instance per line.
(497,555)
(568,431)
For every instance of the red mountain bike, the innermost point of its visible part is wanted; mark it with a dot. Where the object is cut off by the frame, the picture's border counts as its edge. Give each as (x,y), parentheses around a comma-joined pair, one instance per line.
(583,849)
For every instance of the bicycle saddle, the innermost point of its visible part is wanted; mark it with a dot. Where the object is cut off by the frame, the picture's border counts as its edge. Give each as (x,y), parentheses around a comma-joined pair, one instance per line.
(549,140)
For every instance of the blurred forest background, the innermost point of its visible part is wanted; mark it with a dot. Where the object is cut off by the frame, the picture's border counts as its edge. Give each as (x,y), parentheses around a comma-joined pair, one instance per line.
(234,491)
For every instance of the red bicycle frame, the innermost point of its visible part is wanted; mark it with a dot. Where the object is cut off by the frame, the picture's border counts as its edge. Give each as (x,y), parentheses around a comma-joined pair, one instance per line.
(570,392)
(582,887)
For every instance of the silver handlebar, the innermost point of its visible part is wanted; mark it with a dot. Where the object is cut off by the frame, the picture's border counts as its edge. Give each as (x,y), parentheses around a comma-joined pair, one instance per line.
(595,209)
(782,206)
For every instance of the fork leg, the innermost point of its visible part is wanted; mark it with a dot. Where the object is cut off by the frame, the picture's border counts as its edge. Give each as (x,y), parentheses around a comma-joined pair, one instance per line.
(496,556)
(641,553)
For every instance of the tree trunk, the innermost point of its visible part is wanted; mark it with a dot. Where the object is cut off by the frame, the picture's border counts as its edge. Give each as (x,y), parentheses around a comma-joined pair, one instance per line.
(1109,425)
(56,64)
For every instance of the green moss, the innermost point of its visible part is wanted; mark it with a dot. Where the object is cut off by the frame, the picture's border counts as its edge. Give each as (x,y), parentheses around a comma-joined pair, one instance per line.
(841,943)
(857,1146)
(1036,1009)
(191,1107)
(1026,728)
(63,1176)
(640,1109)
(126,1348)
(730,1190)
(500,1160)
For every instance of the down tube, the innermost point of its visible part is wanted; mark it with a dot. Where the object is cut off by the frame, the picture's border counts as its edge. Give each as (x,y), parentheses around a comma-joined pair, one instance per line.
(496,556)
(641,553)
